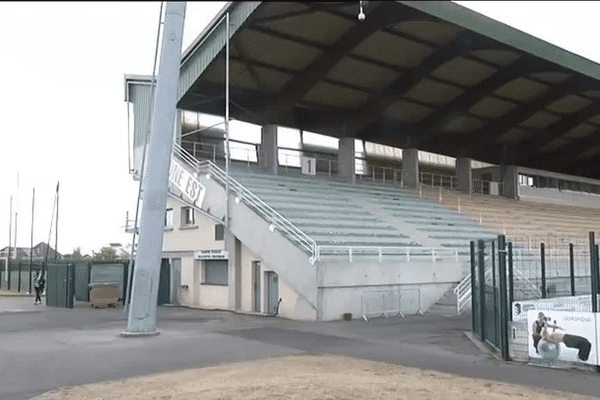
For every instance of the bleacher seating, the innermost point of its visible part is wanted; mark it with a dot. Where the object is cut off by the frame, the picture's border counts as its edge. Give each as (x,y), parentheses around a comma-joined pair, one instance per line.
(337,213)
(521,220)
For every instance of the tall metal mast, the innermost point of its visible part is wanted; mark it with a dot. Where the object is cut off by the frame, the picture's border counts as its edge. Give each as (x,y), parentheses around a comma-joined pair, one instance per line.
(142,314)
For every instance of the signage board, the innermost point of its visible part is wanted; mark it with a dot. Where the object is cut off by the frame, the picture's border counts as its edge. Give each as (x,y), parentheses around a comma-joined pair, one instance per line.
(212,255)
(186,183)
(309,166)
(566,336)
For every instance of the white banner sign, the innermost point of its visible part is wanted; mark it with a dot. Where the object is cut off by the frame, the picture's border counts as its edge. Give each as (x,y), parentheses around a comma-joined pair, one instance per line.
(562,336)
(186,182)
(212,255)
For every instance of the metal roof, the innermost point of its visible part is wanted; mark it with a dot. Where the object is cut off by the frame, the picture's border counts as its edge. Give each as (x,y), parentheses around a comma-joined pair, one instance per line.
(431,75)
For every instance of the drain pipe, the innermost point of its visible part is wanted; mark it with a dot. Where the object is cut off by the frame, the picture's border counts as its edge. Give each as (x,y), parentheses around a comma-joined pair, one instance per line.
(276,309)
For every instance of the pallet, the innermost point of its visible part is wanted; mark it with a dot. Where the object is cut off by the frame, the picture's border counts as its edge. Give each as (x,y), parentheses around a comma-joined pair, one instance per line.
(109,305)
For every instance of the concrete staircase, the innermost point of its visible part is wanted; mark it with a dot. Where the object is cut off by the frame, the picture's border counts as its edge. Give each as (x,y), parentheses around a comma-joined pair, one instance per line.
(446,305)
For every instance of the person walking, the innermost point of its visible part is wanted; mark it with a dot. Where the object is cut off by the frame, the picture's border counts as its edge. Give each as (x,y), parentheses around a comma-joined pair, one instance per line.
(38,285)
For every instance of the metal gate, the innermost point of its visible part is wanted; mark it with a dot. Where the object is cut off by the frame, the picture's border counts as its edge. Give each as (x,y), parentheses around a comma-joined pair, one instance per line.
(490,303)
(60,285)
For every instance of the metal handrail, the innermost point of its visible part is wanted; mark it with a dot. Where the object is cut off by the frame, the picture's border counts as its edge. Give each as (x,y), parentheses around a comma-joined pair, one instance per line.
(436,253)
(463,289)
(276,220)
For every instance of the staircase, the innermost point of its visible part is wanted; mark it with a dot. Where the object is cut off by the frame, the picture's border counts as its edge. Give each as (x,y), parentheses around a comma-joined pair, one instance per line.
(339,239)
(446,306)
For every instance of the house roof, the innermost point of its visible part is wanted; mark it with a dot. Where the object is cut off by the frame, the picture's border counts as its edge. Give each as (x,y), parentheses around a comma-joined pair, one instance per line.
(431,75)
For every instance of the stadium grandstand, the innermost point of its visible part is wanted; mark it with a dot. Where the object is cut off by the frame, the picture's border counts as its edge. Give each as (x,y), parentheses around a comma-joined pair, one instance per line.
(365,155)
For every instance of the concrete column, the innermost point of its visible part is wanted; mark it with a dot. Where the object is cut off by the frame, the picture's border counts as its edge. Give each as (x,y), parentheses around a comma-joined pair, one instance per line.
(510,182)
(346,163)
(410,168)
(464,175)
(268,149)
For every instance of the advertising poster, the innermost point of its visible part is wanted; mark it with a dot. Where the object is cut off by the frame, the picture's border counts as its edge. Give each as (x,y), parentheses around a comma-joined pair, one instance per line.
(580,303)
(562,336)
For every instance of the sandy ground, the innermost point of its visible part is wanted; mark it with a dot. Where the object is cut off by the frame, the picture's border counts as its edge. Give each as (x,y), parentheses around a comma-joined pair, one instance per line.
(305,377)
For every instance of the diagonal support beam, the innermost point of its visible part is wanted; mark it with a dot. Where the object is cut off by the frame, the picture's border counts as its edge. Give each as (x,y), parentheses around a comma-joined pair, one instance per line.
(433,124)
(556,130)
(297,88)
(463,44)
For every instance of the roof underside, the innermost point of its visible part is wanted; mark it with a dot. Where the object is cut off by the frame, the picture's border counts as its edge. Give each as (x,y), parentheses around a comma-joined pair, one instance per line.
(429,75)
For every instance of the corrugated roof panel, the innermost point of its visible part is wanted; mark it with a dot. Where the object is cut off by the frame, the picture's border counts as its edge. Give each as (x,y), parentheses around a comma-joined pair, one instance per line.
(463,71)
(580,131)
(569,104)
(521,89)
(540,120)
(407,111)
(318,26)
(276,51)
(514,135)
(498,57)
(360,73)
(431,92)
(491,107)
(430,31)
(338,96)
(464,124)
(140,95)
(394,50)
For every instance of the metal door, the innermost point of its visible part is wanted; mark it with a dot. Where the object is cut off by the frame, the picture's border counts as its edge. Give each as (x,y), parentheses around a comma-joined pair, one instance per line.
(256,284)
(272,292)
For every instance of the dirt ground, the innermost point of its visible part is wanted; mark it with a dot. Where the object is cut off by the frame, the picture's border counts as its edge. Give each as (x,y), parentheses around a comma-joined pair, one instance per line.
(306,377)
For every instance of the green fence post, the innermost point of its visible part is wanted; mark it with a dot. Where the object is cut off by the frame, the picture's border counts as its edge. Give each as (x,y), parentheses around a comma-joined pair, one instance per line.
(594,272)
(481,280)
(19,281)
(503,297)
(511,280)
(473,277)
(543,266)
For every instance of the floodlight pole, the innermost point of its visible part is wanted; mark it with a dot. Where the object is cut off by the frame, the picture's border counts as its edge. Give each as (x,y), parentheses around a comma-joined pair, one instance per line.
(144,292)
(227,156)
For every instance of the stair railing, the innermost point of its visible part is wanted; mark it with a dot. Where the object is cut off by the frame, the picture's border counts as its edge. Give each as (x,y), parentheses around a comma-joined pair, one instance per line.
(276,220)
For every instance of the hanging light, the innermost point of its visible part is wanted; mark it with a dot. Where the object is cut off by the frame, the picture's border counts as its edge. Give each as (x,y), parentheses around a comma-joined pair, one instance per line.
(361,14)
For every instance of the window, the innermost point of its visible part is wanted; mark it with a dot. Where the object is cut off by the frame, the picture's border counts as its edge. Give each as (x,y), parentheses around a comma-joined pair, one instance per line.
(169,218)
(219,232)
(188,216)
(215,272)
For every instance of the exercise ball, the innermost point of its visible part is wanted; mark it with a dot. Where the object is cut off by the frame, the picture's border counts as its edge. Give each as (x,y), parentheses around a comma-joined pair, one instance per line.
(548,350)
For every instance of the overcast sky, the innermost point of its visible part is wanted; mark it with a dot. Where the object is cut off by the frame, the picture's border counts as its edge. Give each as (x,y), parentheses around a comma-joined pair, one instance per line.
(63,116)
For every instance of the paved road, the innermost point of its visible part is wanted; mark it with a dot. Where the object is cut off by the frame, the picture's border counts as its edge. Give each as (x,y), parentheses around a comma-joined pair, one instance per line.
(51,348)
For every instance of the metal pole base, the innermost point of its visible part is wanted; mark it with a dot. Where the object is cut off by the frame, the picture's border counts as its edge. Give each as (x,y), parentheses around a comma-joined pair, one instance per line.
(139,334)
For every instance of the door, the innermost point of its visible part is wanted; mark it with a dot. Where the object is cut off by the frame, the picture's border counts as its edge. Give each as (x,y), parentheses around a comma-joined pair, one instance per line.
(256,284)
(175,280)
(272,292)
(164,283)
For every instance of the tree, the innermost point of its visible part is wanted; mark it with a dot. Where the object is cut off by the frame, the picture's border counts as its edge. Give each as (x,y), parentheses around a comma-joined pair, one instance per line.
(76,255)
(106,253)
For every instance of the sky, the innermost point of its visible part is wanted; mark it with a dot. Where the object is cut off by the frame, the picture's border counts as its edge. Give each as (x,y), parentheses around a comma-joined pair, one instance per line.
(63,117)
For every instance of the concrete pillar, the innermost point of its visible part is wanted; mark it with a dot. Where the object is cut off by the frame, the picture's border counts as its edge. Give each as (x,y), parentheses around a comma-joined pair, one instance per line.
(268,149)
(410,168)
(346,163)
(464,175)
(510,182)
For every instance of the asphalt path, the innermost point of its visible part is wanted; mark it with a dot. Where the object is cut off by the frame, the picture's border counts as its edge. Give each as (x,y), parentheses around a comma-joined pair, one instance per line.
(44,348)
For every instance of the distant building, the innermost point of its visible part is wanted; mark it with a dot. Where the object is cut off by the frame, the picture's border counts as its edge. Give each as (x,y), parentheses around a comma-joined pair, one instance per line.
(23,253)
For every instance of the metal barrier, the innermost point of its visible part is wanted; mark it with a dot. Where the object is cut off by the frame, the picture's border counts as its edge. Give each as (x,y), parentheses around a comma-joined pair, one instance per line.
(407,252)
(433,180)
(387,302)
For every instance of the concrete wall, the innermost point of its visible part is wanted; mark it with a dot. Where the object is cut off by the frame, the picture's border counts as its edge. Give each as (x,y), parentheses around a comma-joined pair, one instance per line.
(342,283)
(554,196)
